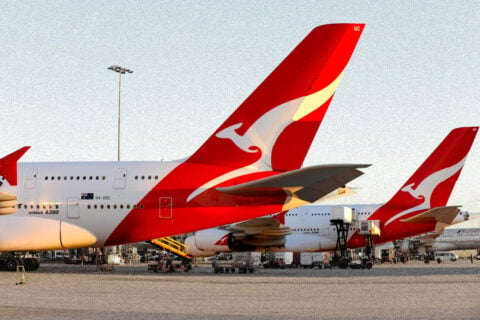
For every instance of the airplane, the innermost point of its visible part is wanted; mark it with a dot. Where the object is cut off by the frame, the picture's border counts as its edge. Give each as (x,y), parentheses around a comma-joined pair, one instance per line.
(461,236)
(419,206)
(456,239)
(249,167)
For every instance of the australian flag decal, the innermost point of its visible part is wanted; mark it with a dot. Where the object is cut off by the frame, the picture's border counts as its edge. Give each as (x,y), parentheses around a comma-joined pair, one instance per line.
(87,196)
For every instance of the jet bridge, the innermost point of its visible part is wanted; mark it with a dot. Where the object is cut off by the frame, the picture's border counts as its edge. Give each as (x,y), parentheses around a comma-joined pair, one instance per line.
(369,229)
(341,218)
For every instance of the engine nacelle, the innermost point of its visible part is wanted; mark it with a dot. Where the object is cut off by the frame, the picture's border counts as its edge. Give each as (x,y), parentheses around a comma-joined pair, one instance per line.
(206,243)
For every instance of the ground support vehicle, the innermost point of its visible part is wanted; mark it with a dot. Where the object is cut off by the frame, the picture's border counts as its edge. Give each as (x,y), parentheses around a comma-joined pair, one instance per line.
(9,261)
(278,260)
(242,262)
(315,259)
(169,264)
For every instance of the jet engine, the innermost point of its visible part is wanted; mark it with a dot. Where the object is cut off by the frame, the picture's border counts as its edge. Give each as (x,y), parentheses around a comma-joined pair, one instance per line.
(206,243)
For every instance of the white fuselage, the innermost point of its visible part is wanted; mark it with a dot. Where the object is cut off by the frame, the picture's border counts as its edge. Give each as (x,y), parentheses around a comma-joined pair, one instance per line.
(311,228)
(74,204)
(457,239)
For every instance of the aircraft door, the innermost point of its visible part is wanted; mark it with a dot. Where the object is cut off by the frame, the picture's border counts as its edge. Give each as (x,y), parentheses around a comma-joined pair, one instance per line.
(120,178)
(165,209)
(31,178)
(73,211)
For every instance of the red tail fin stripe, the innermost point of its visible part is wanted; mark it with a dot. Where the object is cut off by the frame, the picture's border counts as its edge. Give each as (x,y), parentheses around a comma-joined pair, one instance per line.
(263,133)
(425,188)
(311,67)
(432,183)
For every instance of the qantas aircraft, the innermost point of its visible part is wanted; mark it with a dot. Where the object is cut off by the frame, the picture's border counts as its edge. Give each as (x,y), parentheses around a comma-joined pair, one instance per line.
(456,239)
(418,207)
(462,236)
(249,167)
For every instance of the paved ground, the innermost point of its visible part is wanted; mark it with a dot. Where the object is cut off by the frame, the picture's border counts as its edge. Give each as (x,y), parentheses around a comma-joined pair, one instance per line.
(411,291)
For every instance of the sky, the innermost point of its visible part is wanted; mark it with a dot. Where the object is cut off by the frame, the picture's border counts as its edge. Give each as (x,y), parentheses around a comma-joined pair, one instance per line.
(413,77)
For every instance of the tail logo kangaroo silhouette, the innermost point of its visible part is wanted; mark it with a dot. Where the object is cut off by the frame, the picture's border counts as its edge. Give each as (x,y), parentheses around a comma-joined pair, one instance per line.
(424,189)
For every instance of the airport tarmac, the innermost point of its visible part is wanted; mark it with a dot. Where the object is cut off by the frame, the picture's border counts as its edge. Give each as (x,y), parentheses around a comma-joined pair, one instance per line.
(403,291)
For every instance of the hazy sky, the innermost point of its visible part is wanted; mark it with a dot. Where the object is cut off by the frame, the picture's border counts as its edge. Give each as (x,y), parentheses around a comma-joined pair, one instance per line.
(413,77)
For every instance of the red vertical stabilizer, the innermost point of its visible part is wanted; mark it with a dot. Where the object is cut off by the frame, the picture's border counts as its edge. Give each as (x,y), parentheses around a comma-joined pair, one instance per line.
(8,165)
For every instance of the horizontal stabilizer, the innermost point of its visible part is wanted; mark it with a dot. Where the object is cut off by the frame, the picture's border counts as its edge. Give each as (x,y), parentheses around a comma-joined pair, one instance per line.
(307,184)
(442,215)
(8,165)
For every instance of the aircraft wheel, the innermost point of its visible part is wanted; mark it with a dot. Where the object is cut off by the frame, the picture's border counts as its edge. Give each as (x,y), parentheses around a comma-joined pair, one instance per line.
(11,265)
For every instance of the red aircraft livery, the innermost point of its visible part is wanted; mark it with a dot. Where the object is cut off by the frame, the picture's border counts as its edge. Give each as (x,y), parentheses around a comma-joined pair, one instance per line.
(418,207)
(249,167)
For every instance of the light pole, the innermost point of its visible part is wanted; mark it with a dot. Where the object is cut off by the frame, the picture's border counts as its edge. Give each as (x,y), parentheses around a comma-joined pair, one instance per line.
(120,71)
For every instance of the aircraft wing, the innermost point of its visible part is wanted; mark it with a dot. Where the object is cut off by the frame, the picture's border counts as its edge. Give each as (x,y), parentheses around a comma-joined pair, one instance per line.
(307,184)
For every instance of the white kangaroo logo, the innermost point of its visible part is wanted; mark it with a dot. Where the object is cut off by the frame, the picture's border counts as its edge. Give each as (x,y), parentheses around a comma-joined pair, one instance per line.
(425,188)
(262,135)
